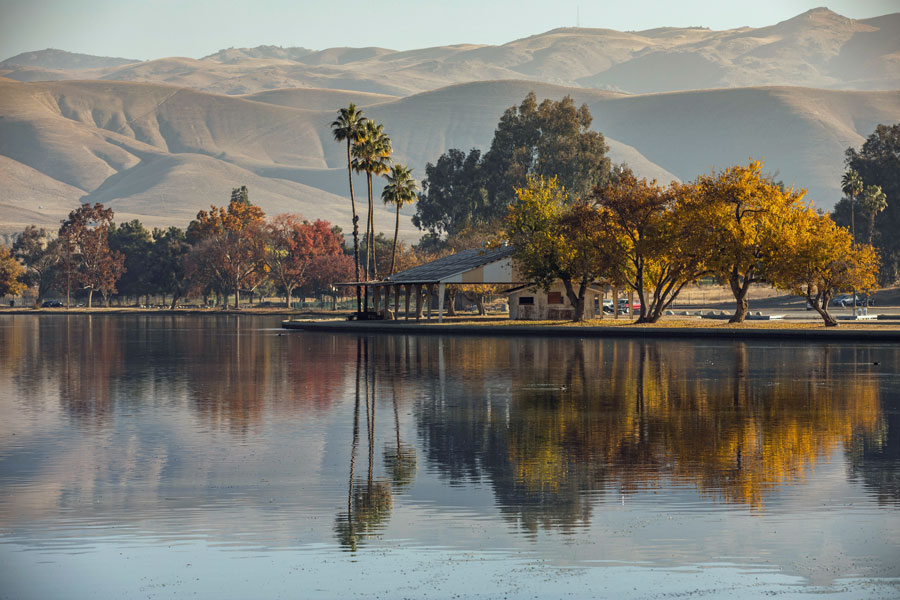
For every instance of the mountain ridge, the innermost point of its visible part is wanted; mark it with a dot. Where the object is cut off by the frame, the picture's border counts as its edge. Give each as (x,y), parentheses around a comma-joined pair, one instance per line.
(818,48)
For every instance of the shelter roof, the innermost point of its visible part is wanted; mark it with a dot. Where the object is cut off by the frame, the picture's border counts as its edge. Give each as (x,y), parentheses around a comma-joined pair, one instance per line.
(444,269)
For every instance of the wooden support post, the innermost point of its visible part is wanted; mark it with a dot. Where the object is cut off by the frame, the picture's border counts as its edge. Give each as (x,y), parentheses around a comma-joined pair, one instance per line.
(430,288)
(396,302)
(408,289)
(615,300)
(418,287)
(442,289)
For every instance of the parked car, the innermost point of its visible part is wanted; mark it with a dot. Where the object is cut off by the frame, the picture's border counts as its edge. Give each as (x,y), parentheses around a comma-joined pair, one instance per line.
(842,300)
(51,304)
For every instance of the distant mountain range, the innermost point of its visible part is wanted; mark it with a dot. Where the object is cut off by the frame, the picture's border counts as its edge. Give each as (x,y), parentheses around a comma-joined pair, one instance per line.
(818,48)
(158,140)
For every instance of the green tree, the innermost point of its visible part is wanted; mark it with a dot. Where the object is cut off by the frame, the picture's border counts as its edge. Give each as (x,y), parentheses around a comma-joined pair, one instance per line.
(878,163)
(453,196)
(400,190)
(852,186)
(134,242)
(168,254)
(349,127)
(872,201)
(550,139)
(39,252)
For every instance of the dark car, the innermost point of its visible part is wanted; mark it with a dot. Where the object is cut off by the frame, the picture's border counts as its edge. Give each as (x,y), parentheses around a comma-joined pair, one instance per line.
(51,304)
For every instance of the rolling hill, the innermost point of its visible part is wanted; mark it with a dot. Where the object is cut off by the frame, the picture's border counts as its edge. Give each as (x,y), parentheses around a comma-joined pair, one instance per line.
(160,152)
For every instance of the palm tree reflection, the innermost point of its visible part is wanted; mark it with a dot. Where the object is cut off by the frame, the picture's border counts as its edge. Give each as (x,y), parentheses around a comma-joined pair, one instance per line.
(369,504)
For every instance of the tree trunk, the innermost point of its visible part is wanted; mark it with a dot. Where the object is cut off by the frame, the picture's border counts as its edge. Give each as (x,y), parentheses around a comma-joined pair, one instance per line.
(739,289)
(418,289)
(289,297)
(615,299)
(174,300)
(366,271)
(237,298)
(90,296)
(820,305)
(396,233)
(577,300)
(479,302)
(355,227)
(451,301)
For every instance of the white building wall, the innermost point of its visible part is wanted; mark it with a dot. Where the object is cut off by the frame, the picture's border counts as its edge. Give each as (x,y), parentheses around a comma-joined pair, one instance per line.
(540,308)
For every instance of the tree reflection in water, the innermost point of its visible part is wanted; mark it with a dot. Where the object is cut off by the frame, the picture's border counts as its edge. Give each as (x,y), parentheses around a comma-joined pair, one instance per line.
(369,504)
(555,424)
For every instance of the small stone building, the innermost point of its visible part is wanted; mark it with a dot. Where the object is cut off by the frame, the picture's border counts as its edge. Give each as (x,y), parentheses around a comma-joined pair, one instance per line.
(534,304)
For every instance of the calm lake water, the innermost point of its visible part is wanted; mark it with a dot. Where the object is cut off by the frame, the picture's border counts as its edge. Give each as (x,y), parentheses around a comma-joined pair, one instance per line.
(219,456)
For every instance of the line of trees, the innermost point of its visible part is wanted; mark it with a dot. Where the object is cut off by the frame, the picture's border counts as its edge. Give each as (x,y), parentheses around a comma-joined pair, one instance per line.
(225,251)
(737,226)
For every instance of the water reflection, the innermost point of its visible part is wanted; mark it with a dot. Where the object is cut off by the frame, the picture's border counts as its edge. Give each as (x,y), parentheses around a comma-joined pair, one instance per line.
(582,417)
(369,504)
(229,430)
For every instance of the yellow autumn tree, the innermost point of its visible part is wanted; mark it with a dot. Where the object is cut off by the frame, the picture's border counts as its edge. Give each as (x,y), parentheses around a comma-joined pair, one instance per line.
(11,274)
(555,239)
(750,215)
(663,240)
(819,259)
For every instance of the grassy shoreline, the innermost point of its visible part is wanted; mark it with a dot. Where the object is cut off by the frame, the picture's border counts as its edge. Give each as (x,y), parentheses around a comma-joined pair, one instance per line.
(609,328)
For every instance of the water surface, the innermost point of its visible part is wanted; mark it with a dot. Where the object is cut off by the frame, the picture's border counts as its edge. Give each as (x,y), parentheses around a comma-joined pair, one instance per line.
(163,456)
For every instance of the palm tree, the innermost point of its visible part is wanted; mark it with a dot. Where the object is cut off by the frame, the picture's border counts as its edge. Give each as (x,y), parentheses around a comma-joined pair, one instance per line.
(873,201)
(400,190)
(852,186)
(350,126)
(372,154)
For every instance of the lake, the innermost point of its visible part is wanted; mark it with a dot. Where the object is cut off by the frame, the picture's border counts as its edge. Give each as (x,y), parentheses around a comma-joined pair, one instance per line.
(164,456)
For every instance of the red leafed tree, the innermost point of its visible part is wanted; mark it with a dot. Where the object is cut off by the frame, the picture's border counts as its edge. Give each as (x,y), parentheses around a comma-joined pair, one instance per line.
(231,248)
(86,257)
(295,246)
(325,270)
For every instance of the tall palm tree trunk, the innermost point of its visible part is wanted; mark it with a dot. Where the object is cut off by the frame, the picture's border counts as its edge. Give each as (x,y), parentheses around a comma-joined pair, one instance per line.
(355,226)
(396,232)
(371,244)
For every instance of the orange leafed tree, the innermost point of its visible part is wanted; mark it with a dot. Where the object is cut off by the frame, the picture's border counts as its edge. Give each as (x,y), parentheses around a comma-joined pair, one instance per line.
(664,244)
(295,246)
(232,246)
(86,257)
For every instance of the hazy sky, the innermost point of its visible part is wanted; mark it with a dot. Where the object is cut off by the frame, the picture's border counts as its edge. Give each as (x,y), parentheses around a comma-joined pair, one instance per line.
(157,28)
